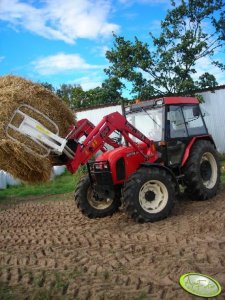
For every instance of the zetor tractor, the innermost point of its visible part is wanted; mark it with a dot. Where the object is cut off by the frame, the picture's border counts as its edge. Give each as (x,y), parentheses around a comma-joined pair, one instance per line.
(162,145)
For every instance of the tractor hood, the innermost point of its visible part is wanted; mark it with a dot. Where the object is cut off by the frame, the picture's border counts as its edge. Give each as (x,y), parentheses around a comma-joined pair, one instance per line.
(123,161)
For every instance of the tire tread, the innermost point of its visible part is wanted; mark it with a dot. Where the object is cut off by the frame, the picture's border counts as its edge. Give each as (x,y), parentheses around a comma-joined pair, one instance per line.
(83,205)
(131,204)
(195,188)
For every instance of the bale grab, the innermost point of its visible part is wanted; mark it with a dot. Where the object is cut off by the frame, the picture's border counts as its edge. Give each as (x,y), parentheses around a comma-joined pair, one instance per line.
(14,157)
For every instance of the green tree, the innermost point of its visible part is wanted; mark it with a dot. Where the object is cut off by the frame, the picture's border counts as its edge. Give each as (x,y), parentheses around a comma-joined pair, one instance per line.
(48,86)
(207,81)
(78,97)
(94,97)
(70,93)
(112,88)
(191,30)
(109,92)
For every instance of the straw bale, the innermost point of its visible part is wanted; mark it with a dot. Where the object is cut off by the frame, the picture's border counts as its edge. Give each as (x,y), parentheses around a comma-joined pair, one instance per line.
(14,159)
(23,165)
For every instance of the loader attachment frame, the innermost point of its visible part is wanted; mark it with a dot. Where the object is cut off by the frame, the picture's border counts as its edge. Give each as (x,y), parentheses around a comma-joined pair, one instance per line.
(39,134)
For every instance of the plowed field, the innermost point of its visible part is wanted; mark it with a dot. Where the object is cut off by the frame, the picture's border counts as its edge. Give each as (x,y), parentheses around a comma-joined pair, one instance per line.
(49,250)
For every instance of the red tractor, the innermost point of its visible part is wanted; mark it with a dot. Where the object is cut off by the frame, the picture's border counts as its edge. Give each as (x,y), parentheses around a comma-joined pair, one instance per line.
(162,145)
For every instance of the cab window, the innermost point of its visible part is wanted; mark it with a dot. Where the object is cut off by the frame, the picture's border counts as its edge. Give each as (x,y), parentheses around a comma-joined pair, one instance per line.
(193,119)
(175,127)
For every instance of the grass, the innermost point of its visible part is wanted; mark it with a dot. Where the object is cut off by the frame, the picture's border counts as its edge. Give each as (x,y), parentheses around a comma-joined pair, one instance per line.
(6,293)
(58,285)
(64,183)
(141,296)
(222,172)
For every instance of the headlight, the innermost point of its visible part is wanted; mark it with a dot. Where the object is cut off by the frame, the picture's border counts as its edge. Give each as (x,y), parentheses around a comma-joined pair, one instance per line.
(101,165)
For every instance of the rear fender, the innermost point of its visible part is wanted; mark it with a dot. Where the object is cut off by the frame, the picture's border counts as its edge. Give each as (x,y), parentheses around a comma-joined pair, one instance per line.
(190,145)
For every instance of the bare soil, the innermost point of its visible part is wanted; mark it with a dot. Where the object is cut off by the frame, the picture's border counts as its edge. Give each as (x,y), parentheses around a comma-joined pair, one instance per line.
(49,250)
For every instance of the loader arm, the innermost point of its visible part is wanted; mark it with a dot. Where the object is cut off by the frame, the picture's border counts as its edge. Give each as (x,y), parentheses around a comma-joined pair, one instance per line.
(83,128)
(97,137)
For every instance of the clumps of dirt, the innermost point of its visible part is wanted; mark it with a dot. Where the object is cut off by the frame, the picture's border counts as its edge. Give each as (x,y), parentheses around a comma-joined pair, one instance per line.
(51,250)
(14,157)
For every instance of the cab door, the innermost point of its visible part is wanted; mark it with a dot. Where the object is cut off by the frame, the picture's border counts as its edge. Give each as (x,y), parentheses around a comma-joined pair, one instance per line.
(183,122)
(176,135)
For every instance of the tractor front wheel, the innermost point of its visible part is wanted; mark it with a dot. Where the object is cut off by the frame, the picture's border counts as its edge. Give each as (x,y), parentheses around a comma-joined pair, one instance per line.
(149,194)
(202,171)
(90,204)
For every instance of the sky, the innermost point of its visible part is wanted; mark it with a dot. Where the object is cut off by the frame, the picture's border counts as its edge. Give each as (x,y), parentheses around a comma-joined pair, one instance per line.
(64,41)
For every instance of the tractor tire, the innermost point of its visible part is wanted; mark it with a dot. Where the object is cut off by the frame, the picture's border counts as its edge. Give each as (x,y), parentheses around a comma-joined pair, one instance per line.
(202,171)
(149,195)
(90,205)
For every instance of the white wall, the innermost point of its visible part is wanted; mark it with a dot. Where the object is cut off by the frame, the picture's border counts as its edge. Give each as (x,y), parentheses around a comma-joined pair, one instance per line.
(215,116)
(95,115)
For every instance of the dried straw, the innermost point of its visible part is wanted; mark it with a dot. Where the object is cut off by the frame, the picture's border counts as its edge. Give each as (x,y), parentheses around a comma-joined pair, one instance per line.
(14,159)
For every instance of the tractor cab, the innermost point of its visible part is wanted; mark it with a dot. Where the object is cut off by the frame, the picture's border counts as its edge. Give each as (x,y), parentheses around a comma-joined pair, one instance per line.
(171,122)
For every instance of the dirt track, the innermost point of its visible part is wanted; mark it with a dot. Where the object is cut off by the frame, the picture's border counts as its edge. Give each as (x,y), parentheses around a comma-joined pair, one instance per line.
(48,250)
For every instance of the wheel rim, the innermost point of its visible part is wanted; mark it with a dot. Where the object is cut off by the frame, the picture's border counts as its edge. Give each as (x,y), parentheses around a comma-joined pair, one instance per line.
(153,196)
(98,204)
(208,170)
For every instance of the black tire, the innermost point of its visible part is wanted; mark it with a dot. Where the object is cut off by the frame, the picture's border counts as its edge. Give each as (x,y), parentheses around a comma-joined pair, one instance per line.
(90,205)
(202,171)
(140,192)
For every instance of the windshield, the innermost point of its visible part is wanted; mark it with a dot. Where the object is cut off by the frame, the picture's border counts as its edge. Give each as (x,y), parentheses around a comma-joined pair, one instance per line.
(149,122)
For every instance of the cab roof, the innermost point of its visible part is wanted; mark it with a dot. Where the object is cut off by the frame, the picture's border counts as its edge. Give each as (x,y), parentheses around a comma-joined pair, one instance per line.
(180,100)
(160,102)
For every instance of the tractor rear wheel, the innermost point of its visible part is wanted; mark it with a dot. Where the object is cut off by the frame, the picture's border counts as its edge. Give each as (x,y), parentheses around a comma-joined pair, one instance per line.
(149,194)
(90,204)
(202,171)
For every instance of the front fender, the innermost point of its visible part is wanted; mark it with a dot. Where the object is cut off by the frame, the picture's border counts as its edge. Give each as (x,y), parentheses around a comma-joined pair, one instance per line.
(155,165)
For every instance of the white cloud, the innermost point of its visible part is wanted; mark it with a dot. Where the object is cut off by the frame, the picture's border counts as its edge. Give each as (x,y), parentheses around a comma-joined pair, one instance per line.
(204,65)
(88,83)
(60,63)
(2,58)
(155,27)
(151,2)
(102,50)
(64,20)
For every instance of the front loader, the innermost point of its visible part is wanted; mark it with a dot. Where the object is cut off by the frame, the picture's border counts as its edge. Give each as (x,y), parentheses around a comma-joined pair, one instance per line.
(162,145)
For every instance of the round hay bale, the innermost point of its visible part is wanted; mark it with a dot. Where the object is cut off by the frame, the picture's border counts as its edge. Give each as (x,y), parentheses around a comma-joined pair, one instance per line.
(14,158)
